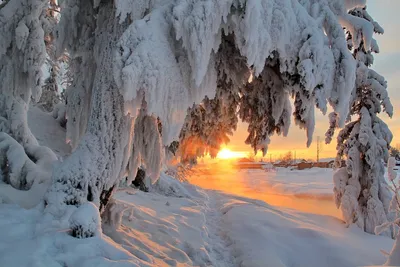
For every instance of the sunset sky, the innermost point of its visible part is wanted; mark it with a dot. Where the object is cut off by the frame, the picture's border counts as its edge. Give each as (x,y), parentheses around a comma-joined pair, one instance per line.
(387,63)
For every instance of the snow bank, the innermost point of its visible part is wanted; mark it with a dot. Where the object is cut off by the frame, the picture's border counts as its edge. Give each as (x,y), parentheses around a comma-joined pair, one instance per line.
(48,132)
(29,238)
(168,186)
(310,183)
(272,237)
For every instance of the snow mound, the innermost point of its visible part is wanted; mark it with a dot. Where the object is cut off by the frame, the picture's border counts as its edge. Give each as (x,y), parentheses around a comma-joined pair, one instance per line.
(42,241)
(272,237)
(48,131)
(169,186)
(85,221)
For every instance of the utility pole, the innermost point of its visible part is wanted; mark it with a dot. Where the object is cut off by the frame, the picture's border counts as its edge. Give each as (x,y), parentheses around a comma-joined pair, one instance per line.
(270,158)
(318,148)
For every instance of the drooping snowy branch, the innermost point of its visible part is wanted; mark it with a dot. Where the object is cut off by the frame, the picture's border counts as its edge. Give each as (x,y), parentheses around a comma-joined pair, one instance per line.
(22,167)
(147,146)
(22,54)
(310,47)
(265,106)
(75,33)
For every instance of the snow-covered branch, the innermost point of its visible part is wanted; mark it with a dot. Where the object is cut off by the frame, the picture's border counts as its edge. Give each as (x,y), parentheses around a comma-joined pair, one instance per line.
(22,167)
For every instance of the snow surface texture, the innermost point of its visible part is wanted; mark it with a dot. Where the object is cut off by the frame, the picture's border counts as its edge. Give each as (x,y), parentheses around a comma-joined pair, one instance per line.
(203,228)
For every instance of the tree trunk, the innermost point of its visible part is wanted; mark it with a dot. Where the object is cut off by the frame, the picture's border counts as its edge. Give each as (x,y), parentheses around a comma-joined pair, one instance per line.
(92,171)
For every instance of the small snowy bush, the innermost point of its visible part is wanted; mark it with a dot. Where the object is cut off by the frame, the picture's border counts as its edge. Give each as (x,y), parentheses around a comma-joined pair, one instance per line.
(85,221)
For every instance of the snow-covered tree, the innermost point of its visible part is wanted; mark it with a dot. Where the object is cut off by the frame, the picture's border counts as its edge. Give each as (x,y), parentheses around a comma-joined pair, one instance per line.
(22,54)
(134,61)
(23,28)
(360,188)
(50,91)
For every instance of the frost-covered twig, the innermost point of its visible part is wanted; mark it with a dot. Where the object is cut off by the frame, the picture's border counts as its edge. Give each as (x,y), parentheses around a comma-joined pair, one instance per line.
(394,256)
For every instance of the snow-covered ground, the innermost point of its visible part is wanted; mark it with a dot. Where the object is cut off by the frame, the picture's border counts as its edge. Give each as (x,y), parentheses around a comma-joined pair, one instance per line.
(185,225)
(47,131)
(312,183)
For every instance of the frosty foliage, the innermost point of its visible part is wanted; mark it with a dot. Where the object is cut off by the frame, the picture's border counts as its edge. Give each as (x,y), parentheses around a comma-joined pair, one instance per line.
(299,50)
(75,33)
(21,167)
(51,89)
(91,173)
(394,224)
(22,54)
(147,146)
(360,189)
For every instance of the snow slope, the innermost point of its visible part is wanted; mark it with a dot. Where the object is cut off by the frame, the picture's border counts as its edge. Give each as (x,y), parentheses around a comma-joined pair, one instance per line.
(280,237)
(313,183)
(47,131)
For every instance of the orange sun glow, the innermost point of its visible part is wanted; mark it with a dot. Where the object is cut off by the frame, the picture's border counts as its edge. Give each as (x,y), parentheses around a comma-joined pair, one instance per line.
(226,153)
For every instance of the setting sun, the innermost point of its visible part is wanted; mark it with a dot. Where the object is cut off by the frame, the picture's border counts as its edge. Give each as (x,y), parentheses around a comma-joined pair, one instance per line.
(226,153)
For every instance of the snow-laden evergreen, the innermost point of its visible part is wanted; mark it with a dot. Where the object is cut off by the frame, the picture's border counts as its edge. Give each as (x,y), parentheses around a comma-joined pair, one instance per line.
(75,33)
(360,188)
(22,54)
(51,89)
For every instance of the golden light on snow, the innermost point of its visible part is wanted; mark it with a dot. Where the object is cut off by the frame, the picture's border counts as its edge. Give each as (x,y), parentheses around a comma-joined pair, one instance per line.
(226,153)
